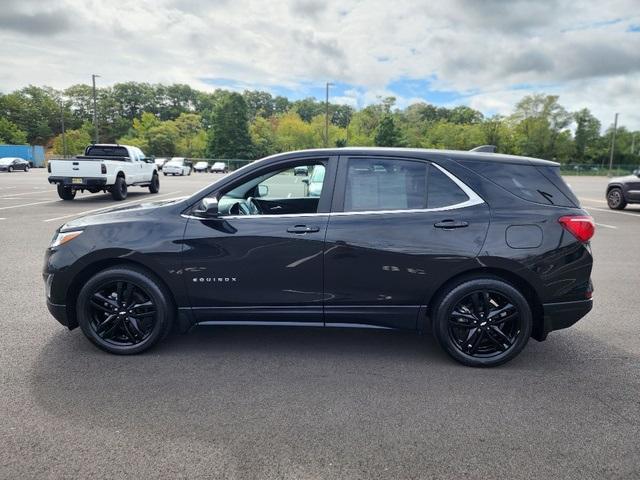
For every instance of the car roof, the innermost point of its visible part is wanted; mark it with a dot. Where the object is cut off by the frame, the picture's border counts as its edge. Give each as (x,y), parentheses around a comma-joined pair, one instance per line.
(420,153)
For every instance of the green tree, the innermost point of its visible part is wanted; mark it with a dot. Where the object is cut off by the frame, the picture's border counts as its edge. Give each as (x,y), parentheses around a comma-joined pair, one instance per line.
(263,136)
(229,134)
(10,133)
(586,136)
(387,135)
(75,140)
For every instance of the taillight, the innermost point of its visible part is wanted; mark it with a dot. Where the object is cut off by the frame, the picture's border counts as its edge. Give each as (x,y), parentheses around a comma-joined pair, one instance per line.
(580,226)
(49,167)
(103,168)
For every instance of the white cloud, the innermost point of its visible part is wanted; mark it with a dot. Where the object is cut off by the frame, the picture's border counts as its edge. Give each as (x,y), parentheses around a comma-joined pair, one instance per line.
(579,49)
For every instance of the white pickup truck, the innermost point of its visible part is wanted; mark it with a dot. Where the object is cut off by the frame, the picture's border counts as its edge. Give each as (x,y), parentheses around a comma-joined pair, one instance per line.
(104,168)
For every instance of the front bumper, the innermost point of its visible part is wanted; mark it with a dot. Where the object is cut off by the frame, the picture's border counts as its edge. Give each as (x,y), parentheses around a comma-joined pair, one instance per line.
(87,182)
(59,312)
(564,314)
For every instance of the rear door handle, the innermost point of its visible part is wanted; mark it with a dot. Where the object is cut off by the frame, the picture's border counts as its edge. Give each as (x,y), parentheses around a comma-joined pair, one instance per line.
(451,224)
(303,229)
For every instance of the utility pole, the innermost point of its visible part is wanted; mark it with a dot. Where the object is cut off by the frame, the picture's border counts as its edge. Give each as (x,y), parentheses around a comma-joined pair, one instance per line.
(633,144)
(613,142)
(64,137)
(326,117)
(95,108)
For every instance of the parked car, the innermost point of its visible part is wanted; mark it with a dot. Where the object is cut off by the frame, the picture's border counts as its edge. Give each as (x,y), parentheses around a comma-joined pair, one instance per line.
(11,164)
(177,166)
(483,250)
(160,161)
(201,167)
(104,168)
(301,170)
(219,167)
(623,190)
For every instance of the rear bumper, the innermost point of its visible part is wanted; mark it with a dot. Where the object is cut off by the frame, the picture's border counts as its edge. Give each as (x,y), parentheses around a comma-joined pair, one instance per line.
(564,314)
(86,182)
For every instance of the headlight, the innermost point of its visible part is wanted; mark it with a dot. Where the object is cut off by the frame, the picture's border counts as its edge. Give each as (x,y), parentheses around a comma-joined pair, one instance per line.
(63,237)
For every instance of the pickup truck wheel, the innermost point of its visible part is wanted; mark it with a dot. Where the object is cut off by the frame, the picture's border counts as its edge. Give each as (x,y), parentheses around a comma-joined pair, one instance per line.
(119,189)
(164,174)
(154,186)
(66,193)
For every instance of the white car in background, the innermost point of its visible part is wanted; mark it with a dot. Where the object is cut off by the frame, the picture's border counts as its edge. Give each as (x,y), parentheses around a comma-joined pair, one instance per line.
(177,166)
(201,167)
(160,162)
(219,167)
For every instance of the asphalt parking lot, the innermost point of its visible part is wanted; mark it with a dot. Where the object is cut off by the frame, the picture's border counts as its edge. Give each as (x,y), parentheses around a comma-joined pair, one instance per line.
(248,402)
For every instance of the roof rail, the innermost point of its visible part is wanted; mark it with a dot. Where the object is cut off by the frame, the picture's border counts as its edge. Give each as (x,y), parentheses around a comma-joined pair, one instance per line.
(485,149)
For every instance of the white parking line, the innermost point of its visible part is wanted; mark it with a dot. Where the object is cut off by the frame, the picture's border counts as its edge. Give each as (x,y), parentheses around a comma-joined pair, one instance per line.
(592,200)
(20,194)
(106,208)
(7,188)
(28,204)
(606,226)
(613,211)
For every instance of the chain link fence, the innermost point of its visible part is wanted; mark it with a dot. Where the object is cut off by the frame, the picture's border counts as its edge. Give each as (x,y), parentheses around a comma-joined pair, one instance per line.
(597,169)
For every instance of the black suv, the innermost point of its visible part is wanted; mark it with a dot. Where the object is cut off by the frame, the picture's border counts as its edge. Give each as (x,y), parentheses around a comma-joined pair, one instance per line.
(623,190)
(484,250)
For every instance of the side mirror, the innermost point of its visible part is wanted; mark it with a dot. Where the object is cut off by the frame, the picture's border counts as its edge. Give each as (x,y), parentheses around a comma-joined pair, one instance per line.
(208,208)
(263,190)
(305,181)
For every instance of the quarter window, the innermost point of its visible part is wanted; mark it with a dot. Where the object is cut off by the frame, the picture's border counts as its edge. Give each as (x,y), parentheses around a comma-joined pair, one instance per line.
(389,184)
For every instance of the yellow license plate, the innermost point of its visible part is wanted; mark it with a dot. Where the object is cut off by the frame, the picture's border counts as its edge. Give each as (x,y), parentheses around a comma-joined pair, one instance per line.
(76,180)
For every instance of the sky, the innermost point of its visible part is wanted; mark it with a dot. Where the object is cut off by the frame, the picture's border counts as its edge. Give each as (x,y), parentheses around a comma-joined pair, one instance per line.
(485,54)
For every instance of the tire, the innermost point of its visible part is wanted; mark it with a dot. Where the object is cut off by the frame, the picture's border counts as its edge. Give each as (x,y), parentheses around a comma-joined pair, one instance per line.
(615,199)
(66,193)
(26,168)
(164,174)
(126,329)
(188,174)
(119,189)
(10,169)
(469,335)
(154,186)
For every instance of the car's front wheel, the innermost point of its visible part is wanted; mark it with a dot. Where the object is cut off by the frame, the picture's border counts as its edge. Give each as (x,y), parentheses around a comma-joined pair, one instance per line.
(482,322)
(615,199)
(26,168)
(124,310)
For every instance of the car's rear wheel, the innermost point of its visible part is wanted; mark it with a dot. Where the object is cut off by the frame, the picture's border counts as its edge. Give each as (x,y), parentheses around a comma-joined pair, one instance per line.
(154,186)
(119,189)
(66,193)
(615,199)
(482,322)
(124,310)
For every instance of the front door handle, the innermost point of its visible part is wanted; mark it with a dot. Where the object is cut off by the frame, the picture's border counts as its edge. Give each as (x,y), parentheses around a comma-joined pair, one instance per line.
(447,224)
(303,229)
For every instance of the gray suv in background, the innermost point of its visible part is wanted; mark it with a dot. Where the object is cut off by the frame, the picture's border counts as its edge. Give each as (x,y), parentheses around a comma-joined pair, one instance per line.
(623,190)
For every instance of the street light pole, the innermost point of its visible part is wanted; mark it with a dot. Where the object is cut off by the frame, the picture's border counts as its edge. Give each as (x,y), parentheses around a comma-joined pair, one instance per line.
(613,142)
(64,138)
(326,117)
(95,109)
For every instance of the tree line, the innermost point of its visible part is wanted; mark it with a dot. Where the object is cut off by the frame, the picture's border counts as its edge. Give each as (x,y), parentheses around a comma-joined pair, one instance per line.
(177,120)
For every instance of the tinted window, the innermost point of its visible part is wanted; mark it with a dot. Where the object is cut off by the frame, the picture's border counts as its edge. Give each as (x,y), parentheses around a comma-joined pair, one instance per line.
(442,191)
(525,181)
(114,151)
(389,184)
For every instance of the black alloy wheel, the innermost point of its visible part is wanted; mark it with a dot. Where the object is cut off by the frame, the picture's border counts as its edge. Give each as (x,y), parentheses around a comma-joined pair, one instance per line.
(154,186)
(124,310)
(615,199)
(483,322)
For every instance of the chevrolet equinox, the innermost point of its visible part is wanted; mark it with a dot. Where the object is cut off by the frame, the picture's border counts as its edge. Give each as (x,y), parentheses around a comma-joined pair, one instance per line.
(482,249)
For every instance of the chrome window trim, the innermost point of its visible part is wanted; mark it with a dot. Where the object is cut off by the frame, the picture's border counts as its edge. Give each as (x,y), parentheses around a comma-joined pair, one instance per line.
(473,199)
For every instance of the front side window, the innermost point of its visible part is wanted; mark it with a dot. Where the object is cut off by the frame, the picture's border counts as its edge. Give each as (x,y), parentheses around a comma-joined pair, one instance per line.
(290,190)
(390,184)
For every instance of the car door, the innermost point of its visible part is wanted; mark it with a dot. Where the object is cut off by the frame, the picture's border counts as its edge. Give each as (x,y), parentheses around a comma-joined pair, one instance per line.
(633,188)
(262,259)
(399,227)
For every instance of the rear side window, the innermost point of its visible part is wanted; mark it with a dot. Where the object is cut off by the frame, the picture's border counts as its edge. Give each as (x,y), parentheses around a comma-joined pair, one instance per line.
(525,181)
(106,151)
(375,184)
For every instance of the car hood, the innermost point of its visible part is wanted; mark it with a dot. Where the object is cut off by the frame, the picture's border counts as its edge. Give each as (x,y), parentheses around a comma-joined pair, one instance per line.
(123,214)
(626,178)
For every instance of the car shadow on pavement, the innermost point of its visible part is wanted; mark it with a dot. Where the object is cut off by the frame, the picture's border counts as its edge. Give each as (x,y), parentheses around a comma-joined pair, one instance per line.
(292,392)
